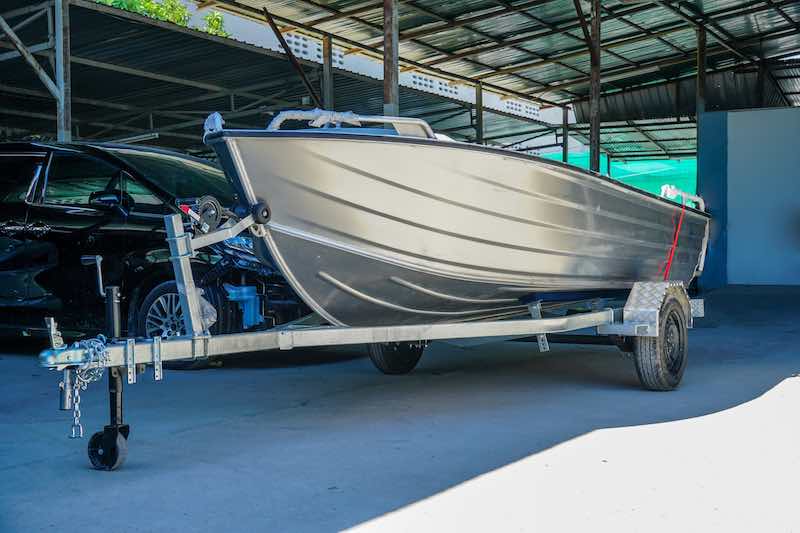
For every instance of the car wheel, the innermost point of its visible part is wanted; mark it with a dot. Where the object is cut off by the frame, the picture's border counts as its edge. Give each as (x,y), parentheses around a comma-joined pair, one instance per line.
(160,315)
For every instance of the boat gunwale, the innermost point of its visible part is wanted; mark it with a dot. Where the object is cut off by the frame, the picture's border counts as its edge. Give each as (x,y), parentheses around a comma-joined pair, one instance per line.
(305,134)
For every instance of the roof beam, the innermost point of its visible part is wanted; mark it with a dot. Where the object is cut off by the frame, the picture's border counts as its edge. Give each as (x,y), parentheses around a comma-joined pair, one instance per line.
(8,15)
(33,49)
(707,21)
(555,29)
(403,36)
(51,117)
(26,22)
(497,40)
(245,10)
(672,60)
(783,14)
(298,68)
(644,30)
(478,17)
(344,13)
(647,136)
(754,6)
(29,58)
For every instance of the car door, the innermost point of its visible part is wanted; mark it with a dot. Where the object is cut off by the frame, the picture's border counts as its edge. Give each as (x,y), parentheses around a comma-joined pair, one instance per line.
(75,210)
(145,222)
(20,259)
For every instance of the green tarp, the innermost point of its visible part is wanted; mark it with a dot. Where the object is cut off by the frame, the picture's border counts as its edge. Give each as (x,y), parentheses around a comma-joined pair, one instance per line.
(649,175)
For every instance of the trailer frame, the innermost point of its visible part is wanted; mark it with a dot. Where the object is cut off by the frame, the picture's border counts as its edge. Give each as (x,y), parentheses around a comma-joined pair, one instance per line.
(84,361)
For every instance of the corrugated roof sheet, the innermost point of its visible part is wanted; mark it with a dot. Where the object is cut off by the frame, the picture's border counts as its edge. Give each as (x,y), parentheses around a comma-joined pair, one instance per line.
(532,47)
(486,38)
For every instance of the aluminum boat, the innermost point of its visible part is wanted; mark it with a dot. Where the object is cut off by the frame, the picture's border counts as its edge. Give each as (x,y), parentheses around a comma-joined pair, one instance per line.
(393,224)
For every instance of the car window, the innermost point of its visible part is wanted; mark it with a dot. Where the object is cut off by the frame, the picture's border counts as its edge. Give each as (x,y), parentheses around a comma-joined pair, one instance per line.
(17,175)
(72,178)
(177,175)
(144,200)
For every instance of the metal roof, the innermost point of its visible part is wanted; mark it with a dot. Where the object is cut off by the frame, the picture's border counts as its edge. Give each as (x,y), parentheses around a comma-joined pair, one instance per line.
(132,74)
(536,47)
(127,68)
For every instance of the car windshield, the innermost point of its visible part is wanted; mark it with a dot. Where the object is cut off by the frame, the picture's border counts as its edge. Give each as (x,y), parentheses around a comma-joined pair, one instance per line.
(179,176)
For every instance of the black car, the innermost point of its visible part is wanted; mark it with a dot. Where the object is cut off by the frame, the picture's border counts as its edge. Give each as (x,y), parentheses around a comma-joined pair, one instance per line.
(63,202)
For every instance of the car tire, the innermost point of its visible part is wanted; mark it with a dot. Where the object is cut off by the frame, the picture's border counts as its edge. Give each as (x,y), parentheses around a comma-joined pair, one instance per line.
(163,299)
(395,358)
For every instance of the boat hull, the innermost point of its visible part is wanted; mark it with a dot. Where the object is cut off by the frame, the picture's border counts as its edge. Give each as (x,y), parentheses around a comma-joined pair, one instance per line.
(390,230)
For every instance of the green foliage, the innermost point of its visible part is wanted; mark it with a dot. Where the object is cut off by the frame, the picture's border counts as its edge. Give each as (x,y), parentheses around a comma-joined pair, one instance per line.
(174,11)
(215,24)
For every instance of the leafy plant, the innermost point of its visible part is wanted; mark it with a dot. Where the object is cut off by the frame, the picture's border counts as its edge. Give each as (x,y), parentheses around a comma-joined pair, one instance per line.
(174,11)
(215,24)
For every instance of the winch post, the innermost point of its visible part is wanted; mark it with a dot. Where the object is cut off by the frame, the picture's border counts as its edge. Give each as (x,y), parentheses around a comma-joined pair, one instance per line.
(180,248)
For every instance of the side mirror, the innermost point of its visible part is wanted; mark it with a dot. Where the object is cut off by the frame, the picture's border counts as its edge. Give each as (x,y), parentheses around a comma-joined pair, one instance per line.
(105,199)
(112,199)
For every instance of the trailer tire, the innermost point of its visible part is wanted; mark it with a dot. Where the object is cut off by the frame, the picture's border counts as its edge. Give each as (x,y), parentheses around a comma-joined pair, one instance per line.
(661,361)
(395,358)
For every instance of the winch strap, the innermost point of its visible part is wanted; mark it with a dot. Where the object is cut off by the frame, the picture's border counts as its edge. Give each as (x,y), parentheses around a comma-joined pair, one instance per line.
(674,246)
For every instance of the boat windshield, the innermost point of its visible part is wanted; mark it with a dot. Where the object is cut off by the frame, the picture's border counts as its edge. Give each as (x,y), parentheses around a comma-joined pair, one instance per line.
(178,175)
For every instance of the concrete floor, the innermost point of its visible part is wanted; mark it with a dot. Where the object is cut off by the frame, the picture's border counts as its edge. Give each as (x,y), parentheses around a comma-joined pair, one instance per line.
(487,439)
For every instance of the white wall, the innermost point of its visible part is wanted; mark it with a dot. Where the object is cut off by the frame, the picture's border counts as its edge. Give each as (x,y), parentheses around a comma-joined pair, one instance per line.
(764,197)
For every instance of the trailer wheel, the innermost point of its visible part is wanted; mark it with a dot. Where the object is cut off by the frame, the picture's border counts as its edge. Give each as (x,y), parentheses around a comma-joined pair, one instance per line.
(105,457)
(660,361)
(395,358)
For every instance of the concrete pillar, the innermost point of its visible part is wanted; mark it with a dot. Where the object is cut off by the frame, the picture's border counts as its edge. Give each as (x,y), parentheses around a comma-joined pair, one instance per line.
(327,72)
(594,103)
(63,76)
(391,64)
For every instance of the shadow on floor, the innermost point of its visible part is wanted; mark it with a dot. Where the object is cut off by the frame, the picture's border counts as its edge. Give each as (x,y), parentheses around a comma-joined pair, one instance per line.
(330,446)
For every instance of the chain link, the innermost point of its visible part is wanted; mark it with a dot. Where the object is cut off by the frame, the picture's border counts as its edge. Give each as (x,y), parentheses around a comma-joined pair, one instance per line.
(89,372)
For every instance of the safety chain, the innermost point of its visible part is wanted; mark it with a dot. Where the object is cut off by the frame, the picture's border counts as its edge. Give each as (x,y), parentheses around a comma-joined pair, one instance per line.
(89,372)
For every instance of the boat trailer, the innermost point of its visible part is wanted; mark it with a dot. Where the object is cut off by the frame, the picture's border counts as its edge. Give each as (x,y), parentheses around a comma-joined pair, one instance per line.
(638,327)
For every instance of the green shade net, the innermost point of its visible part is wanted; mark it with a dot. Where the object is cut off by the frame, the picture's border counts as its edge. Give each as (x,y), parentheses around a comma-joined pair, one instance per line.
(649,175)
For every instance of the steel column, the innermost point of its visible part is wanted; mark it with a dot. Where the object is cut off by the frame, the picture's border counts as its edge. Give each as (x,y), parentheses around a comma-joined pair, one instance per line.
(63,74)
(565,134)
(391,56)
(327,72)
(479,113)
(594,105)
(700,100)
(761,83)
